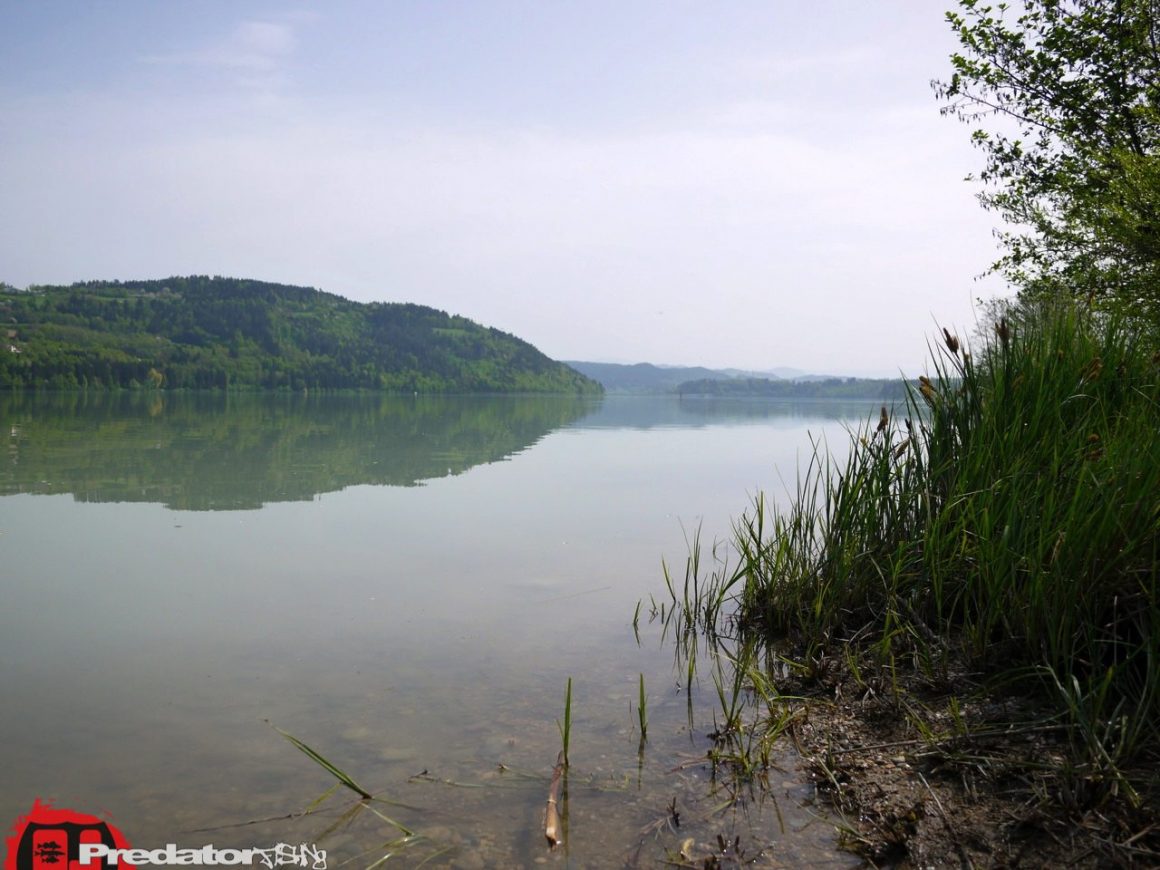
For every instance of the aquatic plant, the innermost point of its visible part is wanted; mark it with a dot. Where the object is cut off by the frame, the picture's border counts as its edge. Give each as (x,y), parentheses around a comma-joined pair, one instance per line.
(1006,513)
(642,711)
(565,727)
(327,765)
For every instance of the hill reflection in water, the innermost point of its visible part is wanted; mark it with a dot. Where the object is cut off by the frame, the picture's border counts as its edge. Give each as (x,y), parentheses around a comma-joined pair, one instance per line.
(216,451)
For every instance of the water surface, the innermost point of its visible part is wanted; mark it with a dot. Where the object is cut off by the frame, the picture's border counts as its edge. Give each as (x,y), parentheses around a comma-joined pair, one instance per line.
(406,584)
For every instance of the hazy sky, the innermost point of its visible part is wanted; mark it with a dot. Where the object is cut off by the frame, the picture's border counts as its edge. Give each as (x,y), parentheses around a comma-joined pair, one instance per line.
(754,183)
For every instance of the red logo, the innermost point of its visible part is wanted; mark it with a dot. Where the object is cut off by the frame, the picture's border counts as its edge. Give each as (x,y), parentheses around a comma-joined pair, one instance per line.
(51,839)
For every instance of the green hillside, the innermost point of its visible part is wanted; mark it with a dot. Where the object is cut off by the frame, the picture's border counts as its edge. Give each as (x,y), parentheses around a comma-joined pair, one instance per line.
(642,377)
(884,389)
(225,333)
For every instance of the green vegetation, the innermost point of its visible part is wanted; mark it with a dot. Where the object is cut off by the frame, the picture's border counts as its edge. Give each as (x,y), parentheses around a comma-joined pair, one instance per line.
(224,333)
(1012,517)
(642,711)
(645,378)
(327,765)
(566,726)
(642,377)
(223,451)
(402,839)
(983,569)
(992,545)
(1064,96)
(881,389)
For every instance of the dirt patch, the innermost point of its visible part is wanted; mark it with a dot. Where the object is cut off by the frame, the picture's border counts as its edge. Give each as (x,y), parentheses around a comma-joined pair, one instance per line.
(929,774)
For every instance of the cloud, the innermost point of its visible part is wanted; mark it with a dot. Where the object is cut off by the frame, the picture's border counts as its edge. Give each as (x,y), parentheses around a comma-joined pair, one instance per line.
(777,68)
(756,220)
(256,54)
(536,231)
(256,45)
(253,45)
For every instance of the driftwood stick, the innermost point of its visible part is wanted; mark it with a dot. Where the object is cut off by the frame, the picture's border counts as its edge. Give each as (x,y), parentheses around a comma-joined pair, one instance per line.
(552,828)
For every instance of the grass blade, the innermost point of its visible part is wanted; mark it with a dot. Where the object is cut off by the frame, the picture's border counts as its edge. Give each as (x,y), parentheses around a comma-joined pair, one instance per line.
(327,765)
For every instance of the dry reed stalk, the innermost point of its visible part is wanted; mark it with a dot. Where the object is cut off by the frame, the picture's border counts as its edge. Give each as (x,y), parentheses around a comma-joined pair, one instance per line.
(552,828)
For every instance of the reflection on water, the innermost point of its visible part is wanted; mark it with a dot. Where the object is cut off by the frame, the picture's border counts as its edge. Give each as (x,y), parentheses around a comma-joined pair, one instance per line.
(227,452)
(151,625)
(647,412)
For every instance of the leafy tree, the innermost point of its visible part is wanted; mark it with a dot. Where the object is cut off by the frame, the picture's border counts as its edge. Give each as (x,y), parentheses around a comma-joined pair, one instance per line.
(1064,96)
(223,333)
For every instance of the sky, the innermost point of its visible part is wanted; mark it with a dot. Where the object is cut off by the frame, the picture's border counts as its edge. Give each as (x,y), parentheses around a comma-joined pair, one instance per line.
(742,183)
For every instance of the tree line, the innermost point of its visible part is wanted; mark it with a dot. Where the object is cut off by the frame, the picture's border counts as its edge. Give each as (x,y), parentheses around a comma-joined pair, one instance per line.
(199,332)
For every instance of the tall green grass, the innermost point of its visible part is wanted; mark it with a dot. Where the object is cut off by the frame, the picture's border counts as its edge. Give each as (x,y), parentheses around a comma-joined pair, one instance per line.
(1010,510)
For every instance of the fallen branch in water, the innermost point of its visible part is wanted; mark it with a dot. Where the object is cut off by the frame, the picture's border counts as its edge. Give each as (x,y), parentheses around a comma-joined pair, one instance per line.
(552,828)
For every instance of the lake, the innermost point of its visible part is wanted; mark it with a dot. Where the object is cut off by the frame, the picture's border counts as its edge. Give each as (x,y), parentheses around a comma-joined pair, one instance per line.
(404,584)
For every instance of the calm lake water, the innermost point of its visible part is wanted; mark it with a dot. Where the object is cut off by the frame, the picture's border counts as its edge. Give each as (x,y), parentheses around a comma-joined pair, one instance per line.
(404,584)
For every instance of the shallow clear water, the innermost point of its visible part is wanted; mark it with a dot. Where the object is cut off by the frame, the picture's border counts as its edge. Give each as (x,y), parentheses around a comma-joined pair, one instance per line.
(404,584)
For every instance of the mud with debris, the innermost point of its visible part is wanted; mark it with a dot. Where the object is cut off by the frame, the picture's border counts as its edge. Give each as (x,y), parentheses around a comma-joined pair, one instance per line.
(942,774)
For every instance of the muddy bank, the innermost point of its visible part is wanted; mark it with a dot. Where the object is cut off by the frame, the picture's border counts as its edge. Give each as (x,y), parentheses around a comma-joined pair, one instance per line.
(946,774)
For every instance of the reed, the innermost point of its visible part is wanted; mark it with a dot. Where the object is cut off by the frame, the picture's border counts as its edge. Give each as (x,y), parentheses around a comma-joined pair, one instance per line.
(553,822)
(642,710)
(1008,509)
(565,727)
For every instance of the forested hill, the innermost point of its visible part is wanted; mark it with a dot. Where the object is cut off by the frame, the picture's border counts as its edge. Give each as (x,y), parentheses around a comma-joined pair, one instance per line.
(199,332)
(879,389)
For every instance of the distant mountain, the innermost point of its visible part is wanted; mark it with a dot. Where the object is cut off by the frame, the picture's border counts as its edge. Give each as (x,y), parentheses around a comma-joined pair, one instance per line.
(884,389)
(779,373)
(228,333)
(649,378)
(734,383)
(642,377)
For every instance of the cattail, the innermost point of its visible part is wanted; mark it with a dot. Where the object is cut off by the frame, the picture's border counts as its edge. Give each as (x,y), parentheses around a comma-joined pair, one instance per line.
(1002,330)
(927,389)
(952,342)
(1092,372)
(883,420)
